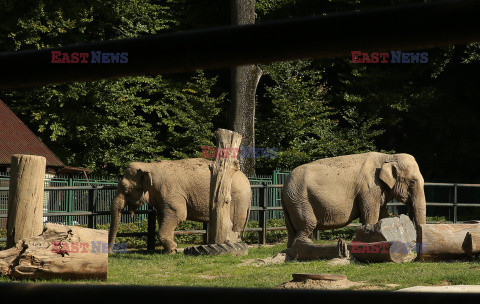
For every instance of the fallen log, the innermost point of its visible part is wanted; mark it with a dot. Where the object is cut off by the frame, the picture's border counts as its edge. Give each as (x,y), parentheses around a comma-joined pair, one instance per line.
(471,244)
(394,229)
(307,250)
(439,242)
(396,252)
(64,252)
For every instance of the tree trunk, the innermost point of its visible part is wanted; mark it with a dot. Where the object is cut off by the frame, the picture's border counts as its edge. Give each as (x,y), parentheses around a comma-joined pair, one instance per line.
(471,244)
(388,251)
(443,241)
(63,252)
(244,81)
(25,198)
(309,251)
(225,164)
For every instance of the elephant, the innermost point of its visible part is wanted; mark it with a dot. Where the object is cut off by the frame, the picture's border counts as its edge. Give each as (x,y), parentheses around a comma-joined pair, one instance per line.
(332,192)
(178,190)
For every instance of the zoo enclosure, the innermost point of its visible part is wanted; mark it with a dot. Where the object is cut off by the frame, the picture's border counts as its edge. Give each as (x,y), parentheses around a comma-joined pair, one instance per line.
(86,202)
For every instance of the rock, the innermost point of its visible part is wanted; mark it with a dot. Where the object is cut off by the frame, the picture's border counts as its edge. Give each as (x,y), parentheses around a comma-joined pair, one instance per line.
(395,229)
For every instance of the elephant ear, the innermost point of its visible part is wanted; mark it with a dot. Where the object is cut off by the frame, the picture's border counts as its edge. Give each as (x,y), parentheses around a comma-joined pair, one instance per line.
(146,179)
(388,173)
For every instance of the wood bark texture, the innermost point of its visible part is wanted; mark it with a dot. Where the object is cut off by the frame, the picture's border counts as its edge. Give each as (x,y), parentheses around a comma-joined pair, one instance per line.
(444,241)
(220,227)
(64,252)
(471,244)
(25,198)
(395,229)
(387,251)
(310,251)
(244,82)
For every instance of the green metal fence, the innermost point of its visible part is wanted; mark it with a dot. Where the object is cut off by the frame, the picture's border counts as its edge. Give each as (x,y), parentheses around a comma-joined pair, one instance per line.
(73,201)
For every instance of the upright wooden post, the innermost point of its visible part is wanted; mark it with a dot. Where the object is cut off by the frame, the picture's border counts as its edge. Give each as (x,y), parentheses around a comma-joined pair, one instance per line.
(25,199)
(225,164)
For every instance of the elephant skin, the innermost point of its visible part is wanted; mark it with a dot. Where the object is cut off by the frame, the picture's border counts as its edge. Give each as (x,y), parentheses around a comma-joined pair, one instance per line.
(332,192)
(179,190)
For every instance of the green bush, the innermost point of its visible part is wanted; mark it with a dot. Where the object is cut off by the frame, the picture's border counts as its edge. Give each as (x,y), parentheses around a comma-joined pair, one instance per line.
(276,236)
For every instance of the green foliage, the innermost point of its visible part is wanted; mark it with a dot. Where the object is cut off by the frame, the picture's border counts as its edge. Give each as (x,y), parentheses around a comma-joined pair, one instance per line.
(275,236)
(104,125)
(297,118)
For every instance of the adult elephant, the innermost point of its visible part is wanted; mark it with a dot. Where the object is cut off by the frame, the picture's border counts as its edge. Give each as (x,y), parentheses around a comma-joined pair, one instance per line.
(179,190)
(332,192)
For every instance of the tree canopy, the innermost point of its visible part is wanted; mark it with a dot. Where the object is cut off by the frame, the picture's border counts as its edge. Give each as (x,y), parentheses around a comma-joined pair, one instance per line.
(305,109)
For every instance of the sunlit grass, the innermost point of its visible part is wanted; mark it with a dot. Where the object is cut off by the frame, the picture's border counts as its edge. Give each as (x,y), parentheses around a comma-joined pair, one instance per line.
(141,268)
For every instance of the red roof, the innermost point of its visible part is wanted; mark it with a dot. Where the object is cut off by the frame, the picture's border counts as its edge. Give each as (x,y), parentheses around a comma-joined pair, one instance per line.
(17,138)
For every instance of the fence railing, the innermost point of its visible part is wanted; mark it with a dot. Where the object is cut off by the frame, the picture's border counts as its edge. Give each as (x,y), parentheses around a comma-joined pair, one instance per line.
(261,191)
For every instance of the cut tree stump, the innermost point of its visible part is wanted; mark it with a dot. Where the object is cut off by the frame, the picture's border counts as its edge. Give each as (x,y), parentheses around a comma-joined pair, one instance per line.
(396,252)
(444,241)
(25,198)
(471,244)
(225,164)
(394,229)
(64,252)
(310,251)
(391,239)
(220,235)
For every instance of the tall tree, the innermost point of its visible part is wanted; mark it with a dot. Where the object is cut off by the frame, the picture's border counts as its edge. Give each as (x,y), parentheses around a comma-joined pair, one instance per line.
(244,81)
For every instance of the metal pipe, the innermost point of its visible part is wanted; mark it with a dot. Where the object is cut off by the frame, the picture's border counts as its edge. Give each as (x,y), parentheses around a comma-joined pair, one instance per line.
(387,29)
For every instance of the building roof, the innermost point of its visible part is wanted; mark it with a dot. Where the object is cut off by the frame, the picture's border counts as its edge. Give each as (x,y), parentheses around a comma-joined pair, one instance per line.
(17,138)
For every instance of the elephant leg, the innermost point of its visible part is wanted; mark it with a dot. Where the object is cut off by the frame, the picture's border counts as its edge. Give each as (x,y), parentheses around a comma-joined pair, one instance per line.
(303,222)
(168,220)
(369,211)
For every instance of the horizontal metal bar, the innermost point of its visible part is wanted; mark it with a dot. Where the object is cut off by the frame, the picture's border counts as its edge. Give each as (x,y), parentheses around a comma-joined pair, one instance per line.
(265,209)
(181,232)
(111,187)
(386,29)
(452,185)
(468,205)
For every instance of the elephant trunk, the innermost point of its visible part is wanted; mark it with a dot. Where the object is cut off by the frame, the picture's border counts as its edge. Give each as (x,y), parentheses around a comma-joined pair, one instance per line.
(419,208)
(118,203)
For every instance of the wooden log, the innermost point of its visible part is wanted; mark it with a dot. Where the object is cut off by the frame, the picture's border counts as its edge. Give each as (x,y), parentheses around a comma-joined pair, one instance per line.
(443,241)
(225,164)
(307,250)
(394,229)
(64,252)
(25,200)
(387,251)
(471,244)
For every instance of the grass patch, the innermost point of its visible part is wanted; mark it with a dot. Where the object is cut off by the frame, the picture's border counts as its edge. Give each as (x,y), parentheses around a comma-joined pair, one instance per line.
(141,268)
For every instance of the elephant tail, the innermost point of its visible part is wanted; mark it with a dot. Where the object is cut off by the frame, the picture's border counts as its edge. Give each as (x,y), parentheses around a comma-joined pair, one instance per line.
(246,222)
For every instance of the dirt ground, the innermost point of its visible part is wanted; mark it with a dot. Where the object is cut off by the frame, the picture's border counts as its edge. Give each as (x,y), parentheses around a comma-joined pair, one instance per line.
(333,285)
